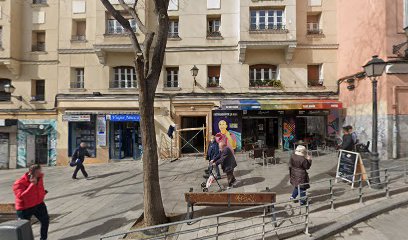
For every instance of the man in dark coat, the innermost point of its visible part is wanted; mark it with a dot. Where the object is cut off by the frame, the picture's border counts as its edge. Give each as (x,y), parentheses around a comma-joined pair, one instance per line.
(227,161)
(79,157)
(347,143)
(299,163)
(212,153)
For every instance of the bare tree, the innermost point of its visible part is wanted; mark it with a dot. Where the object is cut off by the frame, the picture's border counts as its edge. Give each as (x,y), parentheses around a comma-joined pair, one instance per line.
(148,70)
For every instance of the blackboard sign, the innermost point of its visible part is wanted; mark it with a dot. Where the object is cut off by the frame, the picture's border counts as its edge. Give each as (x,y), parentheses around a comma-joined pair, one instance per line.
(347,165)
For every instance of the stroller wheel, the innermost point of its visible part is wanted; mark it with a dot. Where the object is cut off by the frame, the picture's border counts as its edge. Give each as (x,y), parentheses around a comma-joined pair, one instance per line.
(203,184)
(205,189)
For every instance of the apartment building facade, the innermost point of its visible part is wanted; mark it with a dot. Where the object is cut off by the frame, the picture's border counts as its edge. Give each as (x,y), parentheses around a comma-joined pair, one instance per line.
(267,72)
(378,31)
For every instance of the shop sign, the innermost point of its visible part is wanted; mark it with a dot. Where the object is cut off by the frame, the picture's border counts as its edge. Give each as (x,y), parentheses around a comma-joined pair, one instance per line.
(124,117)
(101,130)
(34,126)
(76,118)
(227,126)
(265,113)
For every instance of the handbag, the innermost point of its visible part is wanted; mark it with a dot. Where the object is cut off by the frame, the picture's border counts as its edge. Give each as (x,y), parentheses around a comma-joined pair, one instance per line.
(73,162)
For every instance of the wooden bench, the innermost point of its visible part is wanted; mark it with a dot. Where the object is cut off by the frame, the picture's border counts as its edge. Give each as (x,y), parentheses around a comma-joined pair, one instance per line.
(226,199)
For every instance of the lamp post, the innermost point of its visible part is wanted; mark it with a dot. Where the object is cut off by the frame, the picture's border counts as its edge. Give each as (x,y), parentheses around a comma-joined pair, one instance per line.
(374,69)
(194,72)
(8,88)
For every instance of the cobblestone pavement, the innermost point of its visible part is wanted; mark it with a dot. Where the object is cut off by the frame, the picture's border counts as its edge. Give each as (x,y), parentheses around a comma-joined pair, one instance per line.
(113,198)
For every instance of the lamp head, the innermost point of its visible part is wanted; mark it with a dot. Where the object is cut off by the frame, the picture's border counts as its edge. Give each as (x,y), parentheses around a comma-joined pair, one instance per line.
(8,88)
(375,67)
(194,71)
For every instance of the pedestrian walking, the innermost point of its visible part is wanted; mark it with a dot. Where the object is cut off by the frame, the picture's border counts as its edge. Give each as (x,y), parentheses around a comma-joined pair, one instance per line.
(29,195)
(353,134)
(79,157)
(227,161)
(212,153)
(299,163)
(347,143)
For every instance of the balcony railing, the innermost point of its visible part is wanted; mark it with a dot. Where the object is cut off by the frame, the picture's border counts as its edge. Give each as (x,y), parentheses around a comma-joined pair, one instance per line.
(213,34)
(39,47)
(38,98)
(173,35)
(314,29)
(272,83)
(114,27)
(213,82)
(278,28)
(315,82)
(39,1)
(78,38)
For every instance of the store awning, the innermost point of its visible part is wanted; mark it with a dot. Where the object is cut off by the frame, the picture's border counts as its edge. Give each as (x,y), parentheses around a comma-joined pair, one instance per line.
(281,104)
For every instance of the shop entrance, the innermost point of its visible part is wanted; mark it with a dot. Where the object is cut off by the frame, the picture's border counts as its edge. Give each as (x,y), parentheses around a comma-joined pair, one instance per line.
(4,150)
(188,136)
(310,128)
(41,149)
(265,130)
(125,140)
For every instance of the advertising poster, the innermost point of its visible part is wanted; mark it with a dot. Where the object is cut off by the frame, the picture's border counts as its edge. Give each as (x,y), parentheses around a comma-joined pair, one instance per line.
(227,127)
(101,130)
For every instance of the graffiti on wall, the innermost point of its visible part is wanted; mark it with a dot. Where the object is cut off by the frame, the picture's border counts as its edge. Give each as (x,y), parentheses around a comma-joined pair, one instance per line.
(227,128)
(288,132)
(333,122)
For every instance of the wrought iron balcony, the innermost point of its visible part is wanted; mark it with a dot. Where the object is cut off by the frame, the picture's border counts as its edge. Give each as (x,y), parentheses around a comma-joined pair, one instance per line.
(314,29)
(271,83)
(39,1)
(214,34)
(277,28)
(78,38)
(174,35)
(213,82)
(39,47)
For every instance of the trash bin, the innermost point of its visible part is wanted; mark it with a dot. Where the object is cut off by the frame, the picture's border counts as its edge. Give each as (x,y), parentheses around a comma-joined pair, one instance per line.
(16,230)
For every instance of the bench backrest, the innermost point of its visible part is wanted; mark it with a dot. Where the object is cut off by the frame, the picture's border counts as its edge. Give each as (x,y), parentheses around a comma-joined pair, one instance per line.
(231,198)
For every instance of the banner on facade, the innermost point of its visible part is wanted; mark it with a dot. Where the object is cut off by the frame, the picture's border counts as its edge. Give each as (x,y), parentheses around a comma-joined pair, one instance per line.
(227,126)
(101,130)
(76,118)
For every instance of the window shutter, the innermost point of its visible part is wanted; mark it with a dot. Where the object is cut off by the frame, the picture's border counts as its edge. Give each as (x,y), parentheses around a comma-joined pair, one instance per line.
(313,73)
(78,6)
(214,71)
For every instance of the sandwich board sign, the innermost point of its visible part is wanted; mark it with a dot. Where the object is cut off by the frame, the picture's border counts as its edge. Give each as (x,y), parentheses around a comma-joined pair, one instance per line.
(350,167)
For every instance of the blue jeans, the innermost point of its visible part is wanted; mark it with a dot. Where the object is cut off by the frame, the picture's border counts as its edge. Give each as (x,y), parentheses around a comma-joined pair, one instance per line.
(302,194)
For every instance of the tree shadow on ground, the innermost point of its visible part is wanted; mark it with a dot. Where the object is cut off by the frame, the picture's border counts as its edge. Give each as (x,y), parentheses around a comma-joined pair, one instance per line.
(101,229)
(249,181)
(240,173)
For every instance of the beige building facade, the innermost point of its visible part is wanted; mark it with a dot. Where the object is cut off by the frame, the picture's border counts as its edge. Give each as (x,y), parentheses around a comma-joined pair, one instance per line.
(267,69)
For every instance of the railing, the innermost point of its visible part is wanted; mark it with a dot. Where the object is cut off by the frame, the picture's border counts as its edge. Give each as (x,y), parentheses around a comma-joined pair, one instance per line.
(78,38)
(39,47)
(173,35)
(266,220)
(39,1)
(267,28)
(213,34)
(314,29)
(213,82)
(272,83)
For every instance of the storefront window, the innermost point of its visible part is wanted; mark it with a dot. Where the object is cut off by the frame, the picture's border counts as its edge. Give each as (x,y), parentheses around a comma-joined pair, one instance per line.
(82,132)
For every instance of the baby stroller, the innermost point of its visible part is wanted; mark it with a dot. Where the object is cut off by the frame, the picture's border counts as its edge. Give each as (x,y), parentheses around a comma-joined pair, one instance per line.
(206,185)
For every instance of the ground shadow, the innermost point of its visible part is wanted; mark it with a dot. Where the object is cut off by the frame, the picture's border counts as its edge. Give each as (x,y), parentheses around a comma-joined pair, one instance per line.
(240,173)
(249,181)
(108,174)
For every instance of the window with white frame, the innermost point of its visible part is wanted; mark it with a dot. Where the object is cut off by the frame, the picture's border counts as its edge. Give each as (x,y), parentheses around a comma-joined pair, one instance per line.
(263,75)
(172,77)
(114,27)
(173,28)
(315,75)
(124,77)
(78,78)
(214,26)
(272,19)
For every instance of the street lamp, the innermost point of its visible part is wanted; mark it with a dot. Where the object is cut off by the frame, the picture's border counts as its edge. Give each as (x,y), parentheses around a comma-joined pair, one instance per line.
(374,69)
(8,88)
(194,72)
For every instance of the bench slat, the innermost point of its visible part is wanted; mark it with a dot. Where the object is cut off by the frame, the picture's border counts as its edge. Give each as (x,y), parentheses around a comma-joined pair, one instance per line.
(230,198)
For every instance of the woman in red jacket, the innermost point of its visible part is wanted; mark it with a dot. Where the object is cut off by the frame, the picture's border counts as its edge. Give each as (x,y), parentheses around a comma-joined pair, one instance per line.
(29,192)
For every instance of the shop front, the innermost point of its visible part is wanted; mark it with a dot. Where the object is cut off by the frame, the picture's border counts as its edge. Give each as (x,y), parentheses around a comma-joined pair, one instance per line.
(124,136)
(36,142)
(8,143)
(279,124)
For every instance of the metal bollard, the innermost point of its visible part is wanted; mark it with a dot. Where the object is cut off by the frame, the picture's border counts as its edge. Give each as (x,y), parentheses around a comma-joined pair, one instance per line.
(218,223)
(307,218)
(331,194)
(16,230)
(275,224)
(386,179)
(263,224)
(360,189)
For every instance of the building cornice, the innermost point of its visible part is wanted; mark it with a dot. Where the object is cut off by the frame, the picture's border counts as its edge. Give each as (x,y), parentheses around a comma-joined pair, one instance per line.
(76,50)
(317,46)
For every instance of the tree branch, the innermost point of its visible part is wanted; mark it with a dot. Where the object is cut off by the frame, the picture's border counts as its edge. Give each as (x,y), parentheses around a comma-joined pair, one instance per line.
(132,11)
(125,24)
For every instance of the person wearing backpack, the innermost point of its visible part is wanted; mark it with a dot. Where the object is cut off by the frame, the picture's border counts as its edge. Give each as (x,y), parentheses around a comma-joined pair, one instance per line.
(29,195)
(78,158)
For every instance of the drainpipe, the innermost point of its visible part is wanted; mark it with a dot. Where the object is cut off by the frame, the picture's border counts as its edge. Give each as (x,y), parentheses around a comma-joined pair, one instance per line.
(395,130)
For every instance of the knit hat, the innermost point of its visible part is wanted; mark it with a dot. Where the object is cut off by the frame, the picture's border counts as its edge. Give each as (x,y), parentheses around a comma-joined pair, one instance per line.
(300,150)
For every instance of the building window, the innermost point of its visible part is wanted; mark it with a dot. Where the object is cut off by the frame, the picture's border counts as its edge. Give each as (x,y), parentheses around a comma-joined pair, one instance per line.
(262,20)
(4,96)
(264,76)
(124,77)
(39,1)
(1,36)
(313,25)
(79,30)
(114,27)
(78,80)
(173,5)
(38,41)
(214,75)
(173,28)
(213,27)
(38,90)
(172,77)
(315,75)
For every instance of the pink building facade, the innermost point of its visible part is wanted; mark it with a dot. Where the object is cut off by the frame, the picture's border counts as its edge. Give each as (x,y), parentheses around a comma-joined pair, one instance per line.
(367,28)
